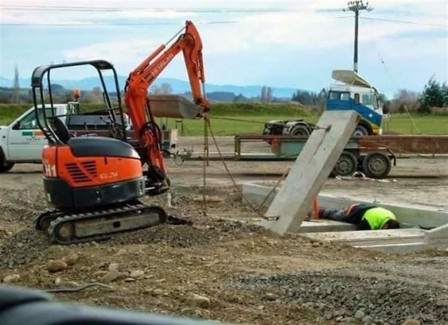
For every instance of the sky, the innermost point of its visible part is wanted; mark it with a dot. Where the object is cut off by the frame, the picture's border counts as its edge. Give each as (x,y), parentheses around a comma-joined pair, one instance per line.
(277,43)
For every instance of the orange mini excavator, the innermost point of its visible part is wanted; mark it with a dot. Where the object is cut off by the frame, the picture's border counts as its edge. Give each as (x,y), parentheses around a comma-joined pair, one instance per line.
(94,183)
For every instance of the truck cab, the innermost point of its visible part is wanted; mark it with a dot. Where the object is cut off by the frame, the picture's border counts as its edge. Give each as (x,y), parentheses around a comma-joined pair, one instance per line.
(22,140)
(352,92)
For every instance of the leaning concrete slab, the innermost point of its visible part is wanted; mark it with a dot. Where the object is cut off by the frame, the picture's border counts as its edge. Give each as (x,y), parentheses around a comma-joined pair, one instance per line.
(310,171)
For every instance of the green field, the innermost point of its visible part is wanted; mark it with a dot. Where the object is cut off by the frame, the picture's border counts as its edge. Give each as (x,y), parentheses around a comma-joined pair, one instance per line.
(231,119)
(399,124)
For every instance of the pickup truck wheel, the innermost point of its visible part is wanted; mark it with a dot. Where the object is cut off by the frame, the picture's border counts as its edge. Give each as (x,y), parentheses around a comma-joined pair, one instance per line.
(360,131)
(4,167)
(346,165)
(300,130)
(376,165)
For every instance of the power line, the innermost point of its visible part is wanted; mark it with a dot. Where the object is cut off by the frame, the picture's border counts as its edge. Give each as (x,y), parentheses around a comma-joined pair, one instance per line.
(113,24)
(156,9)
(404,22)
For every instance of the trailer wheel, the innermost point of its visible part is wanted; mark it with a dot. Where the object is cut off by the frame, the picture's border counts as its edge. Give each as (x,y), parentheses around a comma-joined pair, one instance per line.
(4,166)
(376,165)
(360,131)
(346,165)
(300,130)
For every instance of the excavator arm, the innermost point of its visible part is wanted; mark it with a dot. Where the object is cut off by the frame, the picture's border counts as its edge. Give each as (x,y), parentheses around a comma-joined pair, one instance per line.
(136,97)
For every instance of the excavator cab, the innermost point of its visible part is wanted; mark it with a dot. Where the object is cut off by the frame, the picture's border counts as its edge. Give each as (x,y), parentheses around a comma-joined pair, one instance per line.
(92,182)
(44,92)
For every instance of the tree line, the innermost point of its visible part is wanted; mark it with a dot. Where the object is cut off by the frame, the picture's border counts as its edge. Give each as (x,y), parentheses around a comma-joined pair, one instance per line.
(433,98)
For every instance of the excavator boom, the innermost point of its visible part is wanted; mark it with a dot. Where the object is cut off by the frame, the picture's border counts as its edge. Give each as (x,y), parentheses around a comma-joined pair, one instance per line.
(136,96)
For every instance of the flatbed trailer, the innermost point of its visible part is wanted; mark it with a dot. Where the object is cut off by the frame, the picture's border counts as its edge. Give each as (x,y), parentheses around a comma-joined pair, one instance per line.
(403,145)
(374,156)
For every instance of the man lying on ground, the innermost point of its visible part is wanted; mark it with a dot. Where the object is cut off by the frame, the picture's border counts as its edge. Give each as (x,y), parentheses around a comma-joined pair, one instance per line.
(364,216)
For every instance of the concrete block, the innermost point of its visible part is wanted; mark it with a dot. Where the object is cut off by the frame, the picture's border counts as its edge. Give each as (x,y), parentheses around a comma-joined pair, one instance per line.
(396,248)
(322,225)
(437,236)
(369,237)
(310,171)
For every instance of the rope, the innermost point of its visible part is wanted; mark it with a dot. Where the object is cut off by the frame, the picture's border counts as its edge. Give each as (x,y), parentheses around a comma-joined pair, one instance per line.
(273,188)
(239,120)
(255,209)
(204,167)
(394,84)
(71,290)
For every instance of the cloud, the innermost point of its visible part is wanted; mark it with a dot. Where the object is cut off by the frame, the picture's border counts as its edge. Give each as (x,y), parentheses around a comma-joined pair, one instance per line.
(49,12)
(118,52)
(276,41)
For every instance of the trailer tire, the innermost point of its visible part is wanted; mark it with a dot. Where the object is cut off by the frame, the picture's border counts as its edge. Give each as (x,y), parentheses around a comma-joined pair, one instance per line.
(376,165)
(361,131)
(346,165)
(4,166)
(300,130)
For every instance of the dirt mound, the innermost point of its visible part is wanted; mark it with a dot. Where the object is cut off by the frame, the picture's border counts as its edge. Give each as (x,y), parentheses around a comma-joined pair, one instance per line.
(20,249)
(346,297)
(250,276)
(183,236)
(20,205)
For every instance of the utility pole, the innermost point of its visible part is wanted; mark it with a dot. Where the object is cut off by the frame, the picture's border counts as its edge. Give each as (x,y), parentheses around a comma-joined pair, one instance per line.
(357,6)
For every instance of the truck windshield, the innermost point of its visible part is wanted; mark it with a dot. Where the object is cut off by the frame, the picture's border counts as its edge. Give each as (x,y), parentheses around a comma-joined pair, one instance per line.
(368,99)
(29,121)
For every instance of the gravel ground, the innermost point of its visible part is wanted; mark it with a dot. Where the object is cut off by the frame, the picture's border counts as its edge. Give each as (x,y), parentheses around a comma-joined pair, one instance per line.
(243,273)
(346,296)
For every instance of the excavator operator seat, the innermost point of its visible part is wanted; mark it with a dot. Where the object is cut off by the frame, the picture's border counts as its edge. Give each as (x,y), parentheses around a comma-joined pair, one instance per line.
(102,147)
(61,130)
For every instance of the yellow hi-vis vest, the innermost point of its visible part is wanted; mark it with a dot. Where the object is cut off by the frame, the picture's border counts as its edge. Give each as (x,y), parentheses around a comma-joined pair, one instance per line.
(377,217)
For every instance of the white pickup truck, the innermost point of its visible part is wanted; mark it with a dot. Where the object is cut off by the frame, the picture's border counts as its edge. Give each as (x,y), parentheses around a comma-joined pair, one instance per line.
(21,141)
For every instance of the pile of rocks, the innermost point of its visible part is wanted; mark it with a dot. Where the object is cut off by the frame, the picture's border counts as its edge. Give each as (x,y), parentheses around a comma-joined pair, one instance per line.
(22,248)
(350,298)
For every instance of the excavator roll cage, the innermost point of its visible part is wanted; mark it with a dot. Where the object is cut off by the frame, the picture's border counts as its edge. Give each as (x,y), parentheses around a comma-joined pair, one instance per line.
(49,122)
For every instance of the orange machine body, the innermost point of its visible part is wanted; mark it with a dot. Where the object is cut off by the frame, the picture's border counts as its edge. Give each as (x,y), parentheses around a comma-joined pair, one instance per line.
(88,173)
(59,162)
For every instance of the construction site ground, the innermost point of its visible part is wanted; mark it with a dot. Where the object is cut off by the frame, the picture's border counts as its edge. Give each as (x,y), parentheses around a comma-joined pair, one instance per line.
(224,267)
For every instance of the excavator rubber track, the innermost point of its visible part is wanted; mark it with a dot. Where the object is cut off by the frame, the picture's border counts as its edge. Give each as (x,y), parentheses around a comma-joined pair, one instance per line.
(43,220)
(97,225)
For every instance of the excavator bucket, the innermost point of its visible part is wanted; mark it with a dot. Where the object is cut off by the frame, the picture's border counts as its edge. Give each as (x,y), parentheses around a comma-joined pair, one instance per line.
(174,106)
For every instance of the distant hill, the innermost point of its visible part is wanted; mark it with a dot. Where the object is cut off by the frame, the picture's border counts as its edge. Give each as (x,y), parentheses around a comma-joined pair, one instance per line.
(178,86)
